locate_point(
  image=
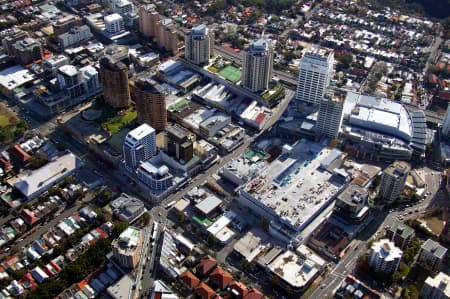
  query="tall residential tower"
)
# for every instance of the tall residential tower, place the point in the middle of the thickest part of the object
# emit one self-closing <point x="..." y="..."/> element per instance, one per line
<point x="330" y="115"/>
<point x="114" y="77"/>
<point x="257" y="66"/>
<point x="199" y="45"/>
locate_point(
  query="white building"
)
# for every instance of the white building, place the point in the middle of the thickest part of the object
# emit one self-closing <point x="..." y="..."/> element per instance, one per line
<point x="384" y="256"/>
<point x="74" y="36"/>
<point x="437" y="287"/>
<point x="257" y="66"/>
<point x="199" y="44"/>
<point x="140" y="145"/>
<point x="316" y="70"/>
<point x="76" y="83"/>
<point x="53" y="63"/>
<point x="114" y="23"/>
<point x="329" y="119"/>
<point x="446" y="124"/>
<point x="155" y="177"/>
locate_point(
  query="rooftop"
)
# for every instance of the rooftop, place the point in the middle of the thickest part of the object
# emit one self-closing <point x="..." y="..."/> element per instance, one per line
<point x="441" y="282"/>
<point x="14" y="77"/>
<point x="293" y="186"/>
<point x="294" y="270"/>
<point x="434" y="248"/>
<point x="140" y="132"/>
<point x="208" y="204"/>
<point x="398" y="168"/>
<point x="401" y="229"/>
<point x="386" y="250"/>
<point x="251" y="244"/>
<point x="44" y="177"/>
<point x="128" y="240"/>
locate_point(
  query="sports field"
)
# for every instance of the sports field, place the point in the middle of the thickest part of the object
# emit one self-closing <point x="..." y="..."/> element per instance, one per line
<point x="231" y="73"/>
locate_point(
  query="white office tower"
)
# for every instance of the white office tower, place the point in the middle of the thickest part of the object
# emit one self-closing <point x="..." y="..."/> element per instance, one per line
<point x="114" y="23"/>
<point x="316" y="70"/>
<point x="257" y="66"/>
<point x="199" y="45"/>
<point x="446" y="124"/>
<point x="140" y="145"/>
<point x="329" y="119"/>
<point x="384" y="256"/>
<point x="437" y="287"/>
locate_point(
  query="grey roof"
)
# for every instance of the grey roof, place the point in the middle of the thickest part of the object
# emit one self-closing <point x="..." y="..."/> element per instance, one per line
<point x="401" y="229"/>
<point x="208" y="204"/>
<point x="435" y="248"/>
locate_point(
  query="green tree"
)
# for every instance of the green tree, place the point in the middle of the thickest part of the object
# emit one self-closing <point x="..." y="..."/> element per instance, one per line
<point x="38" y="160"/>
<point x="410" y="292"/>
<point x="118" y="228"/>
<point x="345" y="60"/>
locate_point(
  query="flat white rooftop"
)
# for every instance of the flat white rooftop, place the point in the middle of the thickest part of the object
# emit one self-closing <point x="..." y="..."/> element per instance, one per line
<point x="15" y="76"/>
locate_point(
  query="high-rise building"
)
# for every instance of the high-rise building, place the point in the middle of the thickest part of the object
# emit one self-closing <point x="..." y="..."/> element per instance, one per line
<point x="393" y="180"/>
<point x="162" y="30"/>
<point x="384" y="256"/>
<point x="437" y="287"/>
<point x="329" y="119"/>
<point x="78" y="83"/>
<point x="446" y="124"/>
<point x="316" y="69"/>
<point x="432" y="254"/>
<point x="150" y="99"/>
<point x="400" y="234"/>
<point x="114" y="23"/>
<point x="139" y="145"/>
<point x="127" y="247"/>
<point x="199" y="45"/>
<point x="179" y="143"/>
<point x="257" y="66"/>
<point x="148" y="17"/>
<point x="114" y="77"/>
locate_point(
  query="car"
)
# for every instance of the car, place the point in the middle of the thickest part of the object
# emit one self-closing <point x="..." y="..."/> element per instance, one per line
<point x="159" y="214"/>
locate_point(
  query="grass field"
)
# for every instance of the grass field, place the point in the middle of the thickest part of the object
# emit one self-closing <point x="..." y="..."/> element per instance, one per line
<point x="435" y="224"/>
<point x="231" y="73"/>
<point x="180" y="104"/>
<point x="7" y="117"/>
<point x="114" y="123"/>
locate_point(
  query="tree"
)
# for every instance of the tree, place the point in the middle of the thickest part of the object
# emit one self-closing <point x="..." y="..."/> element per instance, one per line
<point x="411" y="250"/>
<point x="410" y="292"/>
<point x="118" y="228"/>
<point x="146" y="218"/>
<point x="38" y="160"/>
<point x="345" y="60"/>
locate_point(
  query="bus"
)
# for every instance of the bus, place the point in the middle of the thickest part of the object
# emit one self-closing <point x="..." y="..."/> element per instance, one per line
<point x="170" y="204"/>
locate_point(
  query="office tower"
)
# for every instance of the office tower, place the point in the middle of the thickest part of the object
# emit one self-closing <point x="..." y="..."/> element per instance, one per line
<point x="257" y="66"/>
<point x="70" y="81"/>
<point x="330" y="115"/>
<point x="384" y="256"/>
<point x="179" y="143"/>
<point x="393" y="180"/>
<point x="139" y="145"/>
<point x="437" y="287"/>
<point x="150" y="99"/>
<point x="148" y="17"/>
<point x="74" y="36"/>
<point x="114" y="23"/>
<point x="316" y="69"/>
<point x="446" y="124"/>
<point x="114" y="77"/>
<point x="127" y="247"/>
<point x="199" y="45"/>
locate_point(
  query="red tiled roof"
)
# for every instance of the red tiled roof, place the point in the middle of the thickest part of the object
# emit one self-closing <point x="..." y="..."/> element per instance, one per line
<point x="5" y="165"/>
<point x="204" y="291"/>
<point x="189" y="279"/>
<point x="19" y="154"/>
<point x="29" y="217"/>
<point x="239" y="288"/>
<point x="220" y="278"/>
<point x="205" y="266"/>
<point x="259" y="119"/>
<point x="254" y="294"/>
